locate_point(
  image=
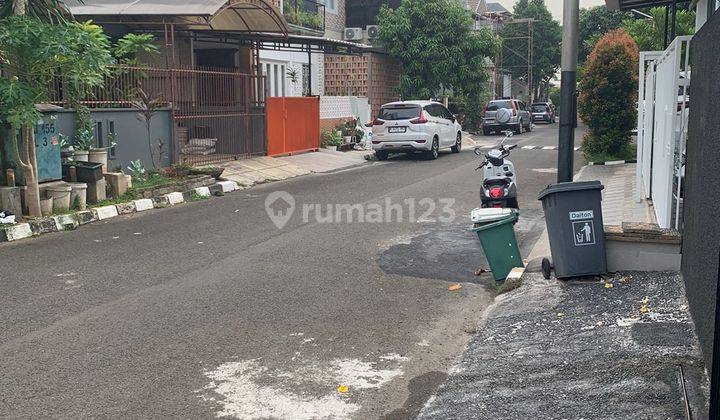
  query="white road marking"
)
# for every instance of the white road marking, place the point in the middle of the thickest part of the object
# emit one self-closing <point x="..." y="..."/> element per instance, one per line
<point x="548" y="148"/>
<point x="528" y="147"/>
<point x="246" y="389"/>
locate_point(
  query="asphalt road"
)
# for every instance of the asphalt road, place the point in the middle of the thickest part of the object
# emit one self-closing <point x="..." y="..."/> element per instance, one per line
<point x="208" y="309"/>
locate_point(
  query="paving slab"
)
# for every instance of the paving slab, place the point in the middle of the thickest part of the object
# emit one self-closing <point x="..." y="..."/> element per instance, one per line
<point x="619" y="204"/>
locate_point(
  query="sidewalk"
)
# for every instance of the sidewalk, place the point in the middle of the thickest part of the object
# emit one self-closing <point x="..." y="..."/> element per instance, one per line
<point x="601" y="349"/>
<point x="248" y="172"/>
<point x="572" y="350"/>
<point x="618" y="203"/>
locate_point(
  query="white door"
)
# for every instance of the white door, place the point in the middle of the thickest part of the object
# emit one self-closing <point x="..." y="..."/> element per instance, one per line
<point x="449" y="126"/>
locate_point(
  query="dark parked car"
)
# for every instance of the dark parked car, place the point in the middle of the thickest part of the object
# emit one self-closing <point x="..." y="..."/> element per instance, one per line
<point x="543" y="111"/>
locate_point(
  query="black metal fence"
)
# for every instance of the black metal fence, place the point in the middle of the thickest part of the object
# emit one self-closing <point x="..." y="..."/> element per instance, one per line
<point x="701" y="235"/>
<point x="218" y="114"/>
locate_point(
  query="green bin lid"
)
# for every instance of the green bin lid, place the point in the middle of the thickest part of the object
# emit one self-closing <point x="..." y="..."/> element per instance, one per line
<point x="570" y="186"/>
<point x="490" y="215"/>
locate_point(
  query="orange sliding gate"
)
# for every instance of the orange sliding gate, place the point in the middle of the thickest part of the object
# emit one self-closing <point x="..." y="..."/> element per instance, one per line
<point x="293" y="124"/>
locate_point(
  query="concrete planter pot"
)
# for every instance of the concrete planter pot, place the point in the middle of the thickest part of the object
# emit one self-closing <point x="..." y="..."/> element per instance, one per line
<point x="99" y="156"/>
<point x="61" y="197"/>
<point x="81" y="155"/>
<point x="78" y="195"/>
<point x="331" y="147"/>
<point x="46" y="206"/>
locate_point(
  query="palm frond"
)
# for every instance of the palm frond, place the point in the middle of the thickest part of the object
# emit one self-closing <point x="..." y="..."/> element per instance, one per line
<point x="46" y="10"/>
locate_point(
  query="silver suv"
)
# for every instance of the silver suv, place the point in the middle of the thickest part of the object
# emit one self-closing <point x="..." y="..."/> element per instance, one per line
<point x="506" y="114"/>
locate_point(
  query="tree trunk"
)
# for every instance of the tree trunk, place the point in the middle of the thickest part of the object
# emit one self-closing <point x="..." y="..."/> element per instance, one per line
<point x="29" y="168"/>
<point x="19" y="7"/>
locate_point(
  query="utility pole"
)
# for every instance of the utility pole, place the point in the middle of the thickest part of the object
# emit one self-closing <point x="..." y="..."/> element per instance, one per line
<point x="568" y="82"/>
<point x="531" y="91"/>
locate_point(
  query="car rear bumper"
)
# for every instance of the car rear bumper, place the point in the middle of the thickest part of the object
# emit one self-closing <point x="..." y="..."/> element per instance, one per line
<point x="496" y="126"/>
<point x="542" y="117"/>
<point x="400" y="146"/>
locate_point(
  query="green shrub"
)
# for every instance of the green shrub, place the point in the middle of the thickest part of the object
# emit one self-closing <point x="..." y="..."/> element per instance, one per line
<point x="608" y="96"/>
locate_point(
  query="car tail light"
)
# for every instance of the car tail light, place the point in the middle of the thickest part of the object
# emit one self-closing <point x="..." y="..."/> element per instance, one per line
<point x="377" y="121"/>
<point x="421" y="119"/>
<point x="496" y="192"/>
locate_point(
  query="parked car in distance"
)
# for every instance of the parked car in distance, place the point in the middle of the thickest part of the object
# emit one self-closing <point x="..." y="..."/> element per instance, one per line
<point x="506" y="114"/>
<point x="415" y="126"/>
<point x="543" y="111"/>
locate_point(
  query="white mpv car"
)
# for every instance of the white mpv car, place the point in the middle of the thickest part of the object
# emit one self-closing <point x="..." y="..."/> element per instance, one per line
<point x="415" y="126"/>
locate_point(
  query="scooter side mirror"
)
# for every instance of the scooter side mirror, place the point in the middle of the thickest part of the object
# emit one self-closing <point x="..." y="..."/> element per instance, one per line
<point x="478" y="151"/>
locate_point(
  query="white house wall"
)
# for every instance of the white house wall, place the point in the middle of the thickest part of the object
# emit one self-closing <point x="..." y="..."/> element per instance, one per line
<point x="288" y="60"/>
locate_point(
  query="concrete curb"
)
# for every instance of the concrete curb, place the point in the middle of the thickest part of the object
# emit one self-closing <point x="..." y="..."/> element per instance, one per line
<point x="72" y="221"/>
<point x="613" y="162"/>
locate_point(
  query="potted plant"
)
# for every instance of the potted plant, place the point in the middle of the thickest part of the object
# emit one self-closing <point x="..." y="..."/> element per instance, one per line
<point x="348" y="130"/>
<point x="100" y="154"/>
<point x="66" y="148"/>
<point x="331" y="139"/>
<point x="82" y="144"/>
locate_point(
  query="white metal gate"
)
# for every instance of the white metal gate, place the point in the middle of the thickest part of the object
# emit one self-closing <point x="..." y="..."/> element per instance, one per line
<point x="661" y="136"/>
<point x="646" y="115"/>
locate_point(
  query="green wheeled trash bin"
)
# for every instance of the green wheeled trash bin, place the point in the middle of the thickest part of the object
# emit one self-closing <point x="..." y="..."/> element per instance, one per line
<point x="494" y="227"/>
<point x="573" y="216"/>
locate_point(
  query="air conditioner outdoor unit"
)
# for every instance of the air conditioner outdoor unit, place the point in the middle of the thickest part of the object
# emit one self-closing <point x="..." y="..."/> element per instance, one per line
<point x="372" y="31"/>
<point x="353" y="34"/>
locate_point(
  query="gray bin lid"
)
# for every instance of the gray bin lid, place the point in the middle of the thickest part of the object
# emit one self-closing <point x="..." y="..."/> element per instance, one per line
<point x="490" y="214"/>
<point x="561" y="187"/>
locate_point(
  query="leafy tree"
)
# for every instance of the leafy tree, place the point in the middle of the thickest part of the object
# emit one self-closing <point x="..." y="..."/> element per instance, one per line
<point x="649" y="33"/>
<point x="594" y="23"/>
<point x="439" y="51"/>
<point x="547" y="36"/>
<point x="47" y="10"/>
<point x="608" y="96"/>
<point x="34" y="53"/>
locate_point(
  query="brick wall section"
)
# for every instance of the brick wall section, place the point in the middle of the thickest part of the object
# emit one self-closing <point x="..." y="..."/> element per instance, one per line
<point x="346" y="75"/>
<point x="330" y="123"/>
<point x="371" y="75"/>
<point x="335" y="22"/>
<point x="384" y="78"/>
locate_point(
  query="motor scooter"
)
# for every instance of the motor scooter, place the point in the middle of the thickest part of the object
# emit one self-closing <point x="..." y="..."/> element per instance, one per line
<point x="499" y="185"/>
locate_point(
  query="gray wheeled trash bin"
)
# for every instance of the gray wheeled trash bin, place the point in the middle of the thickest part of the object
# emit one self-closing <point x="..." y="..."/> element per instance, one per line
<point x="573" y="215"/>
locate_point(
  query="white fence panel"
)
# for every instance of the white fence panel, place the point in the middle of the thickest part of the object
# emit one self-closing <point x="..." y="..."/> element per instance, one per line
<point x="666" y="123"/>
<point x="646" y="114"/>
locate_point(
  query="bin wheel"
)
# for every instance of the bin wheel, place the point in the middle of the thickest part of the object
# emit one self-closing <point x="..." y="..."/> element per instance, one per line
<point x="546" y="267"/>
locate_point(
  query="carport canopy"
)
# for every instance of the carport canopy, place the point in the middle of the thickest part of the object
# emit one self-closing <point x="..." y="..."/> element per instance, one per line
<point x="636" y="4"/>
<point x="242" y="16"/>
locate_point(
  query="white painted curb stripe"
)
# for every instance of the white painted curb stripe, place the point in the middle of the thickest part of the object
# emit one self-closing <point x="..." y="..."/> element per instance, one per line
<point x="106" y="212"/>
<point x="228" y="186"/>
<point x="20" y="231"/>
<point x="143" y="204"/>
<point x="175" y="198"/>
<point x="203" y="191"/>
